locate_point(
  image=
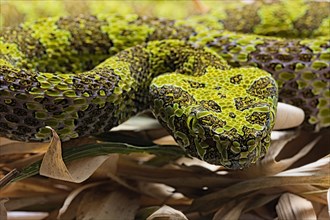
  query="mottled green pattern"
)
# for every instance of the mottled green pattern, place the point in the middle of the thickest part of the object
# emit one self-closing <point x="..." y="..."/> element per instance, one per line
<point x="53" y="74"/>
<point x="282" y="18"/>
<point x="222" y="117"/>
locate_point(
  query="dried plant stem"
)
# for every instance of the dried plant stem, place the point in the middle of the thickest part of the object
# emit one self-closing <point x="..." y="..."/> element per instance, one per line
<point x="90" y="150"/>
<point x="11" y="175"/>
<point x="213" y="200"/>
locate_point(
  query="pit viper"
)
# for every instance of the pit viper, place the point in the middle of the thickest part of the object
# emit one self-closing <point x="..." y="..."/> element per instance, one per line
<point x="212" y="80"/>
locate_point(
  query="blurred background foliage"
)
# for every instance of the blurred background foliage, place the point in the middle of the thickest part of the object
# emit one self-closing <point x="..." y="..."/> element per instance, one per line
<point x="14" y="12"/>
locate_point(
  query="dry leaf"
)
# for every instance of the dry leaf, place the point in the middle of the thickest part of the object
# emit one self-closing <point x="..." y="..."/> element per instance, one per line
<point x="82" y="169"/>
<point x="197" y="162"/>
<point x="319" y="167"/>
<point x="260" y="201"/>
<point x="230" y="211"/>
<point x="52" y="164"/>
<point x="4" y="141"/>
<point x="310" y="192"/>
<point x="268" y="165"/>
<point x="18" y="215"/>
<point x="104" y="204"/>
<point x="251" y="216"/>
<point x="71" y="203"/>
<point x="109" y="169"/>
<point x="156" y="190"/>
<point x="138" y="123"/>
<point x="24" y="162"/>
<point x="220" y="197"/>
<point x="76" y="171"/>
<point x="288" y="116"/>
<point x="3" y="210"/>
<point x="23" y="148"/>
<point x="323" y="213"/>
<point x="36" y="201"/>
<point x="291" y="206"/>
<point x="167" y="213"/>
<point x="328" y="197"/>
<point x="165" y="140"/>
<point x="29" y="188"/>
<point x="286" y="163"/>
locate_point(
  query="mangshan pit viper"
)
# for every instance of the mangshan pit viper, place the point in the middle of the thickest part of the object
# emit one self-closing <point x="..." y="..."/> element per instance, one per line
<point x="214" y="90"/>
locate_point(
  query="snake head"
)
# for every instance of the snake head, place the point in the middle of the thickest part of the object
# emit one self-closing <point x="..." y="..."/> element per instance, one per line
<point x="223" y="117"/>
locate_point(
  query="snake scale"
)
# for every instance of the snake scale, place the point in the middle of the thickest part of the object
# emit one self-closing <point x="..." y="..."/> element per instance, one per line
<point x="209" y="81"/>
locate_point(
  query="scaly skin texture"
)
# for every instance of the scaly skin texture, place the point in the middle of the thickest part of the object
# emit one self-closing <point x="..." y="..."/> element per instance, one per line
<point x="282" y="18"/>
<point x="285" y="18"/>
<point x="221" y="115"/>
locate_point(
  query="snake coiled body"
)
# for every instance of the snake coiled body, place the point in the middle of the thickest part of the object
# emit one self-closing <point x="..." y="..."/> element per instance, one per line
<point x="51" y="76"/>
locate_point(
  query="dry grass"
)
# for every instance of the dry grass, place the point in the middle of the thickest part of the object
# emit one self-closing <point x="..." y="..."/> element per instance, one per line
<point x="290" y="182"/>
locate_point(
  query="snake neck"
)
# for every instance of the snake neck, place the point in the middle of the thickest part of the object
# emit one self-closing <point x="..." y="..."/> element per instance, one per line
<point x="147" y="61"/>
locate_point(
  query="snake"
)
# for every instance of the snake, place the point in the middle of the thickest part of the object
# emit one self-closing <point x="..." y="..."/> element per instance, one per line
<point x="212" y="80"/>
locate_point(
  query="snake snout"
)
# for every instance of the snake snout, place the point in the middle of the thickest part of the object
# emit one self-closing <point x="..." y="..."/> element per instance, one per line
<point x="227" y="146"/>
